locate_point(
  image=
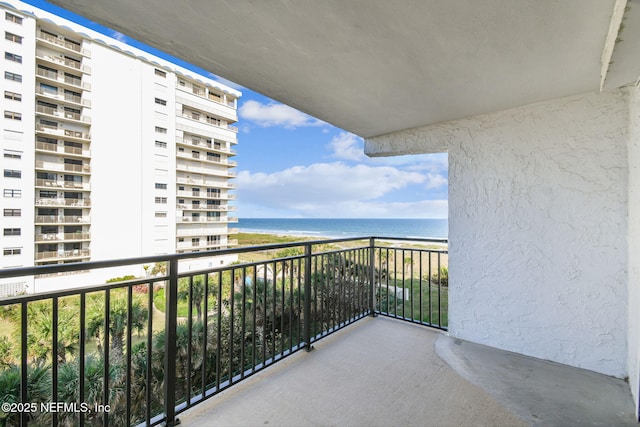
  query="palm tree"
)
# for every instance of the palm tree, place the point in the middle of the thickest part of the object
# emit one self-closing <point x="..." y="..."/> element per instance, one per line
<point x="118" y="316"/>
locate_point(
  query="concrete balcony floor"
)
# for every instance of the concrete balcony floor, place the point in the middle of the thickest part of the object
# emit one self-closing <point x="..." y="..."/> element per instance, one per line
<point x="384" y="372"/>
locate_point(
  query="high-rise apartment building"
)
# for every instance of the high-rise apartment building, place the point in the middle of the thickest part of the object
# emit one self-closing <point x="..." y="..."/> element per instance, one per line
<point x="108" y="152"/>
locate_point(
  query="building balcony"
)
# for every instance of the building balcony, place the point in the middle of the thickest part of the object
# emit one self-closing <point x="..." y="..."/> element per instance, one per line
<point x="63" y="202"/>
<point x="204" y="169"/>
<point x="203" y="157"/>
<point x="63" y="167"/>
<point x="335" y="298"/>
<point x="201" y="143"/>
<point x="205" y="131"/>
<point x="62" y="62"/>
<point x="201" y="245"/>
<point x="201" y="103"/>
<point x="61" y="114"/>
<point x="203" y="218"/>
<point x="63" y="80"/>
<point x="205" y="94"/>
<point x="201" y="118"/>
<point x="62" y="43"/>
<point x="66" y="133"/>
<point x="62" y="219"/>
<point x="204" y="194"/>
<point x="62" y="149"/>
<point x="62" y="237"/>
<point x="204" y="207"/>
<point x="64" y="97"/>
<point x="48" y="183"/>
<point x="62" y="254"/>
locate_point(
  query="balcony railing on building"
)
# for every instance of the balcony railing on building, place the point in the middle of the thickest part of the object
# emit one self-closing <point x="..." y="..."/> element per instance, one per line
<point x="61" y="96"/>
<point x="63" y="132"/>
<point x="62" y="42"/>
<point x="62" y="219"/>
<point x="62" y="114"/>
<point x="106" y="345"/>
<point x="67" y="62"/>
<point x="76" y="185"/>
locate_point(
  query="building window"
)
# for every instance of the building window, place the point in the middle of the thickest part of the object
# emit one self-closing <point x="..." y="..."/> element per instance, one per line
<point x="13" y="37"/>
<point x="161" y="214"/>
<point x="161" y="200"/>
<point x="12" y="76"/>
<point x="160" y="73"/>
<point x="12" y="251"/>
<point x="12" y="96"/>
<point x="48" y="89"/>
<point x="161" y="130"/>
<point x="160" y="101"/>
<point x="12" y="154"/>
<point x="160" y="186"/>
<point x="13" y="57"/>
<point x="182" y="82"/>
<point x="12" y="193"/>
<point x="12" y="173"/>
<point x="12" y="212"/>
<point x="11" y="232"/>
<point x="161" y="144"/>
<point x="12" y="115"/>
<point x="13" y="18"/>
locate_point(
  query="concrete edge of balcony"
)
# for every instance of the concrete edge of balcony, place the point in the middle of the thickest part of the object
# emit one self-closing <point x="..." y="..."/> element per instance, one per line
<point x="382" y="371"/>
<point x="540" y="392"/>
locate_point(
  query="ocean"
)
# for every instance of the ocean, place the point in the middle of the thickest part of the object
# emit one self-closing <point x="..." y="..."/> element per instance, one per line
<point x="346" y="227"/>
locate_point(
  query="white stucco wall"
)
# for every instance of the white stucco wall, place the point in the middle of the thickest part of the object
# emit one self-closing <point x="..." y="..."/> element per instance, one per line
<point x="634" y="248"/>
<point x="538" y="213"/>
<point x="537" y="227"/>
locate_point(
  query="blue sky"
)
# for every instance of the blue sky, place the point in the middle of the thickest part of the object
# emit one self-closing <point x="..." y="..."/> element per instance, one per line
<point x="293" y="165"/>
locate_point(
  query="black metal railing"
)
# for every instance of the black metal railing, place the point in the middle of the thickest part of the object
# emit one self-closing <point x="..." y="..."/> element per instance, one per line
<point x="138" y="351"/>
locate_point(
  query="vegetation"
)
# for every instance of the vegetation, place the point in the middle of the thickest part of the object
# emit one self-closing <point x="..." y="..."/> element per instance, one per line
<point x="228" y="322"/>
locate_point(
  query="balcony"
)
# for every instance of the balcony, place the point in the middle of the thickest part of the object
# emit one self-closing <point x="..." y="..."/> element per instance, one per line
<point x="63" y="167"/>
<point x="372" y="358"/>
<point x="62" y="114"/>
<point x="59" y="131"/>
<point x="47" y="183"/>
<point x="61" y="42"/>
<point x="56" y="255"/>
<point x="215" y="147"/>
<point x="203" y="207"/>
<point x="61" y="201"/>
<point x="201" y="118"/>
<point x="67" y="97"/>
<point x="62" y="219"/>
<point x="72" y="65"/>
<point x="203" y="194"/>
<point x="62" y="79"/>
<point x="62" y="149"/>
<point x="62" y="237"/>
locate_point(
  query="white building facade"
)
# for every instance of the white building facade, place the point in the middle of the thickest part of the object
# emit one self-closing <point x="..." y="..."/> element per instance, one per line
<point x="107" y="151"/>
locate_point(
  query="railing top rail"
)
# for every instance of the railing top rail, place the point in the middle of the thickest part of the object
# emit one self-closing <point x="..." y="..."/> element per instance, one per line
<point x="61" y="268"/>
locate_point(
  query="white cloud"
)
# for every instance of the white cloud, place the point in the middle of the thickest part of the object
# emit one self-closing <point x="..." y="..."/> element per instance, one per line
<point x="274" y="114"/>
<point x="335" y="190"/>
<point x="435" y="181"/>
<point x="120" y="37"/>
<point x="347" y="146"/>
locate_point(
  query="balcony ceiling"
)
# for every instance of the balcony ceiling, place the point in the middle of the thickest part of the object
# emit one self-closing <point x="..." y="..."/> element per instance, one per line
<point x="375" y="67"/>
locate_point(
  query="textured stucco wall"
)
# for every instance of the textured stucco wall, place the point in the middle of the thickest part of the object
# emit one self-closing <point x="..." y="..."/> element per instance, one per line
<point x="634" y="247"/>
<point x="537" y="227"/>
<point x="538" y="214"/>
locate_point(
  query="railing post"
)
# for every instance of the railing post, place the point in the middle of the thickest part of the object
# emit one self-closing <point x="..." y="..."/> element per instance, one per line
<point x="372" y="275"/>
<point x="171" y="321"/>
<point x="307" y="297"/>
